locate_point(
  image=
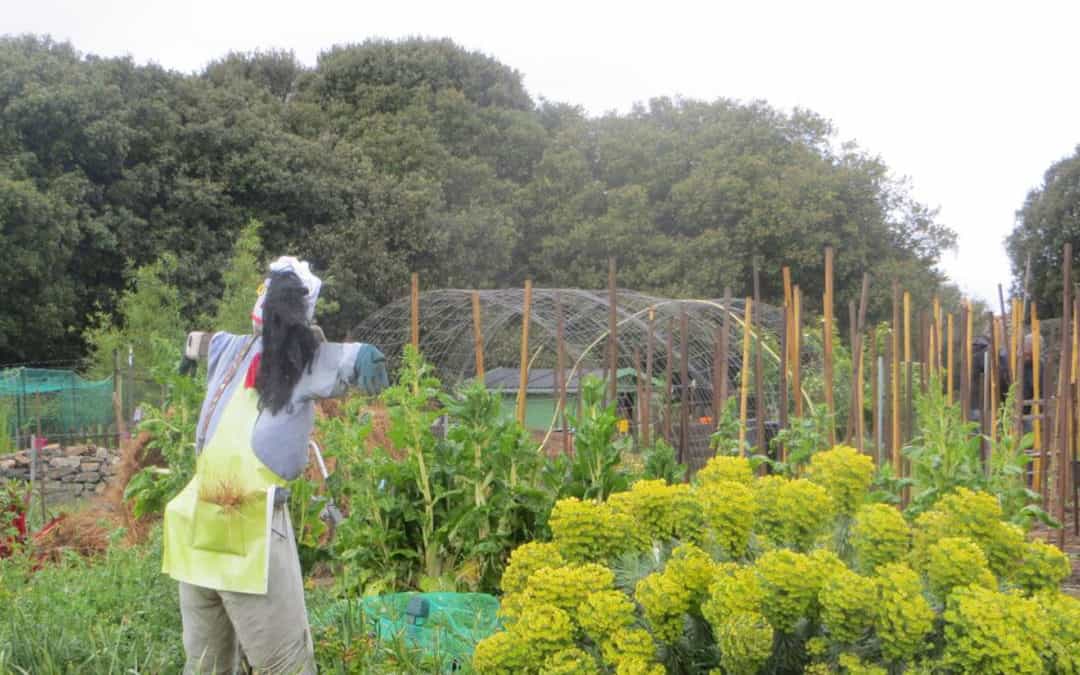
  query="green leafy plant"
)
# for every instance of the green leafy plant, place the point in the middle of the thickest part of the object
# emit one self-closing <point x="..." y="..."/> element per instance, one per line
<point x="804" y="437"/>
<point x="595" y="469"/>
<point x="661" y="463"/>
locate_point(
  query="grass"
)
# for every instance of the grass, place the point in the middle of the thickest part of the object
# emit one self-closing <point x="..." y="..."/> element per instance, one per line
<point x="117" y="613"/>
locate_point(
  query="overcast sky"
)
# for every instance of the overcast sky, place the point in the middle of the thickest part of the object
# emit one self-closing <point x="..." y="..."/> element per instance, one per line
<point x="972" y="102"/>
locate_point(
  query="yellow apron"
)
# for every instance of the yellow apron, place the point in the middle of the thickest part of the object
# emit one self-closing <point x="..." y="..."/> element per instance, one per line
<point x="217" y="530"/>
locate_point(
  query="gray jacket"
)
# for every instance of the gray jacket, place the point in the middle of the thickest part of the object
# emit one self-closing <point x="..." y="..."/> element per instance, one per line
<point x="280" y="441"/>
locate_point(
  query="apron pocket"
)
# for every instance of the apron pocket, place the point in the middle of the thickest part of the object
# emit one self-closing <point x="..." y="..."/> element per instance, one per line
<point x="217" y="529"/>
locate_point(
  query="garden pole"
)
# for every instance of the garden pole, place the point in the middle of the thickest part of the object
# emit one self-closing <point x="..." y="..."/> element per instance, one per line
<point x="987" y="410"/>
<point x="860" y="330"/>
<point x="725" y="349"/>
<point x="907" y="368"/>
<point x="895" y="380"/>
<point x="1075" y="417"/>
<point x="879" y="419"/>
<point x="874" y="392"/>
<point x="827" y="342"/>
<point x="414" y="311"/>
<point x="1064" y="390"/>
<point x="784" y="353"/>
<point x="637" y="407"/>
<point x="949" y="369"/>
<point x="796" y="351"/>
<point x="759" y="407"/>
<point x="938" y="335"/>
<point x="853" y="394"/>
<point x="613" y="339"/>
<point x="716" y="373"/>
<point x="965" y="363"/>
<point x="1036" y="407"/>
<point x="560" y="357"/>
<point x="668" y="391"/>
<point x="924" y="348"/>
<point x="1018" y="347"/>
<point x="745" y="375"/>
<point x="1005" y="335"/>
<point x="523" y="381"/>
<point x="478" y="335"/>
<point x="968" y="346"/>
<point x="789" y="304"/>
<point x="648" y="375"/>
<point x="684" y="383"/>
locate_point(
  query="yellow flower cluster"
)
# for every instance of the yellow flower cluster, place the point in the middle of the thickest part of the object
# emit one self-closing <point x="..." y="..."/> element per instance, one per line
<point x="572" y="661"/>
<point x="976" y="515"/>
<point x="745" y="640"/>
<point x="904" y="617"/>
<point x="662" y="512"/>
<point x="1062" y="615"/>
<point x="853" y="665"/>
<point x="845" y="474"/>
<point x="1043" y="567"/>
<point x="589" y="531"/>
<point x="847" y="606"/>
<point x="695" y="569"/>
<point x="604" y="613"/>
<point x="880" y="535"/>
<point x="564" y="587"/>
<point x="541" y="632"/>
<point x="993" y="633"/>
<point x="789" y="586"/>
<point x="664" y="600"/>
<point x="632" y="650"/>
<point x="728" y="508"/>
<point x="525" y="560"/>
<point x="726" y="468"/>
<point x="792" y="513"/>
<point x="954" y="562"/>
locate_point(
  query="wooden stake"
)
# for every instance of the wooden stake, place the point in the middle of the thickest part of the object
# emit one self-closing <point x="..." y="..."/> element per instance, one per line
<point x="827" y="341"/>
<point x="789" y="302"/>
<point x="784" y="355"/>
<point x="1036" y="393"/>
<point x="938" y="334"/>
<point x="744" y="389"/>
<point x="725" y="342"/>
<point x="649" y="346"/>
<point x="796" y="364"/>
<point x="1065" y="393"/>
<point x="895" y="383"/>
<point x="560" y="365"/>
<point x="414" y="313"/>
<point x="759" y="399"/>
<point x="684" y="383"/>
<point x="853" y="395"/>
<point x="478" y="335"/>
<point x="860" y="330"/>
<point x="613" y="338"/>
<point x="1005" y="334"/>
<point x="668" y="391"/>
<point x="874" y="393"/>
<point x="949" y="369"/>
<point x="907" y="367"/>
<point x="639" y="392"/>
<point x="717" y="373"/>
<point x="523" y="381"/>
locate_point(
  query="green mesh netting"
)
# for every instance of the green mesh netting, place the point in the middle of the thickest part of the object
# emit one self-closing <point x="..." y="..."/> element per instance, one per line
<point x="455" y="622"/>
<point x="64" y="402"/>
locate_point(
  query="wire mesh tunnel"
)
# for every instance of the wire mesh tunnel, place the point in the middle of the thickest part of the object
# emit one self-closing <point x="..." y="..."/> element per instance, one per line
<point x="447" y="340"/>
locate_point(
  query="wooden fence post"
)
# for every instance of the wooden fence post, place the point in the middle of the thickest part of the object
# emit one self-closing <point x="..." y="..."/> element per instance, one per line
<point x="523" y="380"/>
<point x="745" y="374"/>
<point x="478" y="336"/>
<point x="414" y="311"/>
<point x="828" y="346"/>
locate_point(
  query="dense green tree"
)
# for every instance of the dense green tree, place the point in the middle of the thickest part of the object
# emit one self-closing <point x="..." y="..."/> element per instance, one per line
<point x="395" y="156"/>
<point x="1048" y="220"/>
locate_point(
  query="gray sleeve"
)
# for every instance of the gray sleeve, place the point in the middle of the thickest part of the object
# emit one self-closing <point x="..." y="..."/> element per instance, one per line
<point x="331" y="374"/>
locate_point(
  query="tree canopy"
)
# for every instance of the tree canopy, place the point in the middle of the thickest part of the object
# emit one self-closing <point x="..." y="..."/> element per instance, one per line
<point x="1048" y="220"/>
<point x="388" y="157"/>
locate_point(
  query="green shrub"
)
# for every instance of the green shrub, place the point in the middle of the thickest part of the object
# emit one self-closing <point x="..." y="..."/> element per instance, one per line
<point x="789" y="587"/>
<point x="904" y="617"/>
<point x="845" y="474"/>
<point x="954" y="562"/>
<point x="728" y="510"/>
<point x="993" y="633"/>
<point x="1042" y="568"/>
<point x="848" y="602"/>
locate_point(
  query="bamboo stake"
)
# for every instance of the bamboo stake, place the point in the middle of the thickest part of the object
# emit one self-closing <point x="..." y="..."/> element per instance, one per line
<point x="907" y="366"/>
<point x="784" y="354"/>
<point x="613" y="339"/>
<point x="716" y="372"/>
<point x="1018" y="368"/>
<point x="523" y="381"/>
<point x="725" y="342"/>
<point x="759" y="407"/>
<point x="796" y="366"/>
<point x="1065" y="391"/>
<point x="874" y="393"/>
<point x="639" y="393"/>
<point x="414" y="314"/>
<point x="853" y="338"/>
<point x="560" y="357"/>
<point x="924" y="349"/>
<point x="478" y="335"/>
<point x="649" y="345"/>
<point x="949" y="370"/>
<point x="668" y="374"/>
<point x="895" y="383"/>
<point x="860" y="329"/>
<point x="1036" y="393"/>
<point x="789" y="302"/>
<point x="684" y="382"/>
<point x="745" y="374"/>
<point x="1005" y="335"/>
<point x="938" y="334"/>
<point x="827" y="340"/>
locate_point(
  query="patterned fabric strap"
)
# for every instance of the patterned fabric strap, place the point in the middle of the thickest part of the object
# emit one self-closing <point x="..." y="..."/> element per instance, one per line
<point x="225" y="385"/>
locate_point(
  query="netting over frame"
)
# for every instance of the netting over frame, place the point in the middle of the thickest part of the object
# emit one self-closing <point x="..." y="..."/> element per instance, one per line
<point x="447" y="337"/>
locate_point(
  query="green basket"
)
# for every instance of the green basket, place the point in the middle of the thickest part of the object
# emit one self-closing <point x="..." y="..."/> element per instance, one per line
<point x="444" y="626"/>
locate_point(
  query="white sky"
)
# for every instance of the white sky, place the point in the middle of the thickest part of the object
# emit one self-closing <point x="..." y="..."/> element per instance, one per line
<point x="971" y="100"/>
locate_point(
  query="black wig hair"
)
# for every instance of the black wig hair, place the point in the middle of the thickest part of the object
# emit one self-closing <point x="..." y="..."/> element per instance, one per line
<point x="288" y="345"/>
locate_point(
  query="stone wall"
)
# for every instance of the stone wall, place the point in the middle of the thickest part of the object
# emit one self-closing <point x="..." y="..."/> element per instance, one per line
<point x="69" y="473"/>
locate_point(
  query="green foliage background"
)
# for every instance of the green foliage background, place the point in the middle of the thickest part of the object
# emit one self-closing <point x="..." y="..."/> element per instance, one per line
<point x="388" y="157"/>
